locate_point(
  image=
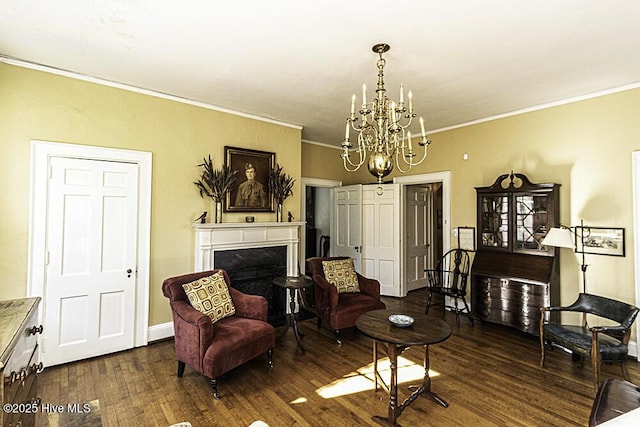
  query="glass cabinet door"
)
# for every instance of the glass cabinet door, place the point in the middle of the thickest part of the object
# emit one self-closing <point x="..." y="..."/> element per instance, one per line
<point x="495" y="221"/>
<point x="532" y="222"/>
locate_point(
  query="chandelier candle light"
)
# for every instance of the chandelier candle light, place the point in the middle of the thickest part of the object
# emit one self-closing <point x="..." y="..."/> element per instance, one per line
<point x="383" y="134"/>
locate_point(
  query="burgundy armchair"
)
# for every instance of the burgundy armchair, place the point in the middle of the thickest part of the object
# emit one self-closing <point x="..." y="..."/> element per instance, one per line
<point x="341" y="310"/>
<point x="215" y="348"/>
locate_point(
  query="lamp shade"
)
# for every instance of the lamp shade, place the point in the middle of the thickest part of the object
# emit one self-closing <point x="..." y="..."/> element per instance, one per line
<point x="559" y="238"/>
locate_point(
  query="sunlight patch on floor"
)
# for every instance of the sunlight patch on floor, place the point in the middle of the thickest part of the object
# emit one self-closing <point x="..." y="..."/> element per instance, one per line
<point x="299" y="400"/>
<point x="363" y="378"/>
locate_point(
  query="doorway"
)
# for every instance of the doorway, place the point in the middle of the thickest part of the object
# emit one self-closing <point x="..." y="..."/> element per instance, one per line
<point x="78" y="193"/>
<point x="423" y="231"/>
<point x="430" y="225"/>
<point x="317" y="210"/>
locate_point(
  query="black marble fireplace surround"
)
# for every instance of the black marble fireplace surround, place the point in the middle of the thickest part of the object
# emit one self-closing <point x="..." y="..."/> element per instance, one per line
<point x="252" y="271"/>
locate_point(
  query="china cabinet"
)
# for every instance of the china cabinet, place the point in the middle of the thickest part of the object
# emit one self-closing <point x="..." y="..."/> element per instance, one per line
<point x="513" y="273"/>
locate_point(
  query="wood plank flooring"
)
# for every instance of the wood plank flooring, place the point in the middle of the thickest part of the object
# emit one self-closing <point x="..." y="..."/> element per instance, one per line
<point x="489" y="375"/>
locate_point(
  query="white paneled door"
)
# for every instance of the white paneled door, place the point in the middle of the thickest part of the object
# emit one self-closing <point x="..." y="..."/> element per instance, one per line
<point x="347" y="234"/>
<point x="381" y="238"/>
<point x="419" y="227"/>
<point x="89" y="292"/>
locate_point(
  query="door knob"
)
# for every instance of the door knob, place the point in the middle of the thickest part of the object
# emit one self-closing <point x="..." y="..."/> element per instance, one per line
<point x="129" y="271"/>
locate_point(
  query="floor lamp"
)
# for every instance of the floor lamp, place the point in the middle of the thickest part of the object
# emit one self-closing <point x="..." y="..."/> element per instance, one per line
<point x="566" y="237"/>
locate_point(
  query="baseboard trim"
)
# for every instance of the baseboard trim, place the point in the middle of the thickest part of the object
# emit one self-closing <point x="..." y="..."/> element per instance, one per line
<point x="633" y="349"/>
<point x="160" y="332"/>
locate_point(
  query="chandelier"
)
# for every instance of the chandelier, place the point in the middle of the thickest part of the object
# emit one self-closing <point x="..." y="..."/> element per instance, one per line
<point x="383" y="138"/>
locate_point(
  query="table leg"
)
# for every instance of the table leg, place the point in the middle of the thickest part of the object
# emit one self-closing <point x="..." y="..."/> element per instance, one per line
<point x="394" y="411"/>
<point x="377" y="378"/>
<point x="300" y="306"/>
<point x="294" y="318"/>
<point x="425" y="388"/>
<point x="375" y="364"/>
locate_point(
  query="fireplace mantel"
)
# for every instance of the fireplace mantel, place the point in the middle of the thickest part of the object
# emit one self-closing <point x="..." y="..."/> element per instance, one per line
<point x="240" y="235"/>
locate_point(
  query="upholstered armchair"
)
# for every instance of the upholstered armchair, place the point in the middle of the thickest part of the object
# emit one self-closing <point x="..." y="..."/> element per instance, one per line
<point x="606" y="343"/>
<point x="213" y="348"/>
<point x="341" y="309"/>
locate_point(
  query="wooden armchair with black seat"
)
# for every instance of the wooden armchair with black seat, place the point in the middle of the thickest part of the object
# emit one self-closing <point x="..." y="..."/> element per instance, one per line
<point x="449" y="279"/>
<point x="217" y="328"/>
<point x="341" y="294"/>
<point x="606" y="343"/>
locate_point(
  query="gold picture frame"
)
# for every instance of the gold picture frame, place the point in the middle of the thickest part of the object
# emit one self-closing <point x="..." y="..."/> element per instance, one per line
<point x="251" y="191"/>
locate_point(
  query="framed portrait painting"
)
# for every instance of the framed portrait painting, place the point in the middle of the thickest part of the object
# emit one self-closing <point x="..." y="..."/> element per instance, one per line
<point x="251" y="191"/>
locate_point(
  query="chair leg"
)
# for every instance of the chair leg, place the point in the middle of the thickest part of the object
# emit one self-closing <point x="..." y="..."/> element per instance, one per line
<point x="338" y="337"/>
<point x="596" y="374"/>
<point x="466" y="307"/>
<point x="455" y="302"/>
<point x="214" y="388"/>
<point x="625" y="370"/>
<point x="429" y="296"/>
<point x="270" y="357"/>
<point x="595" y="363"/>
<point x="542" y="350"/>
<point x="180" y="368"/>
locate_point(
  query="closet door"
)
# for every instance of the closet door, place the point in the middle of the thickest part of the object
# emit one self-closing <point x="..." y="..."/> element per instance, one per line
<point x="381" y="238"/>
<point x="348" y="223"/>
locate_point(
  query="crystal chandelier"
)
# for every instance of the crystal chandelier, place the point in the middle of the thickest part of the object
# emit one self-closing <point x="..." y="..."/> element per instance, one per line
<point x="382" y="134"/>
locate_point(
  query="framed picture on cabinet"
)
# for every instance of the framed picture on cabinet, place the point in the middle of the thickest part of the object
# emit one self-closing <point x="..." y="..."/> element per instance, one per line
<point x="251" y="192"/>
<point x="600" y="240"/>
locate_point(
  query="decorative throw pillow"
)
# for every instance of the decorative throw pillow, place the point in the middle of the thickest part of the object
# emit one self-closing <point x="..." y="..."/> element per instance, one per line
<point x="210" y="295"/>
<point x="341" y="274"/>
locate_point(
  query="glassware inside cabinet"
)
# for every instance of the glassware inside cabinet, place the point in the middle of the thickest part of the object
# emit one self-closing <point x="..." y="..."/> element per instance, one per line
<point x="495" y="221"/>
<point x="532" y="221"/>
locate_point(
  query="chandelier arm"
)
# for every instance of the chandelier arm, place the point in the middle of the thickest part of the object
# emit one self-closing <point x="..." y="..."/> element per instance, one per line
<point x="346" y="159"/>
<point x="400" y="167"/>
<point x="346" y="156"/>
<point x="424" y="156"/>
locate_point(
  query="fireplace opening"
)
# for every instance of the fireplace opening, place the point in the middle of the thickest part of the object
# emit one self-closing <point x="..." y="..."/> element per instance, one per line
<point x="252" y="271"/>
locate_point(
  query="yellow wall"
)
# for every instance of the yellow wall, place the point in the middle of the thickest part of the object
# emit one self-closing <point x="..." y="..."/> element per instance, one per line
<point x="35" y="105"/>
<point x="321" y="162"/>
<point x="586" y="146"/>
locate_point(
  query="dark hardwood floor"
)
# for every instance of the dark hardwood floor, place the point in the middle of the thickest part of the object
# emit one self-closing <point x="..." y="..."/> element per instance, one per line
<point x="489" y="375"/>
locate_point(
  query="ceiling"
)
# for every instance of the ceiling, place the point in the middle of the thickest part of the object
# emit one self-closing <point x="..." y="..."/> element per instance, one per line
<point x="299" y="61"/>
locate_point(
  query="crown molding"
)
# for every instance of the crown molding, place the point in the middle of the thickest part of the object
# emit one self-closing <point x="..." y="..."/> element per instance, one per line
<point x="130" y="88"/>
<point x="539" y="107"/>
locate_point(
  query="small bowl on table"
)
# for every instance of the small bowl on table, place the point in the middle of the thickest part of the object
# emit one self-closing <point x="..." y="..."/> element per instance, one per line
<point x="401" y="320"/>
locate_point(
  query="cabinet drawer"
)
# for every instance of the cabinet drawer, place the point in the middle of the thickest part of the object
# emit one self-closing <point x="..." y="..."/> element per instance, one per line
<point x="20" y="358"/>
<point x="511" y="292"/>
<point x="18" y="382"/>
<point x="528" y="323"/>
